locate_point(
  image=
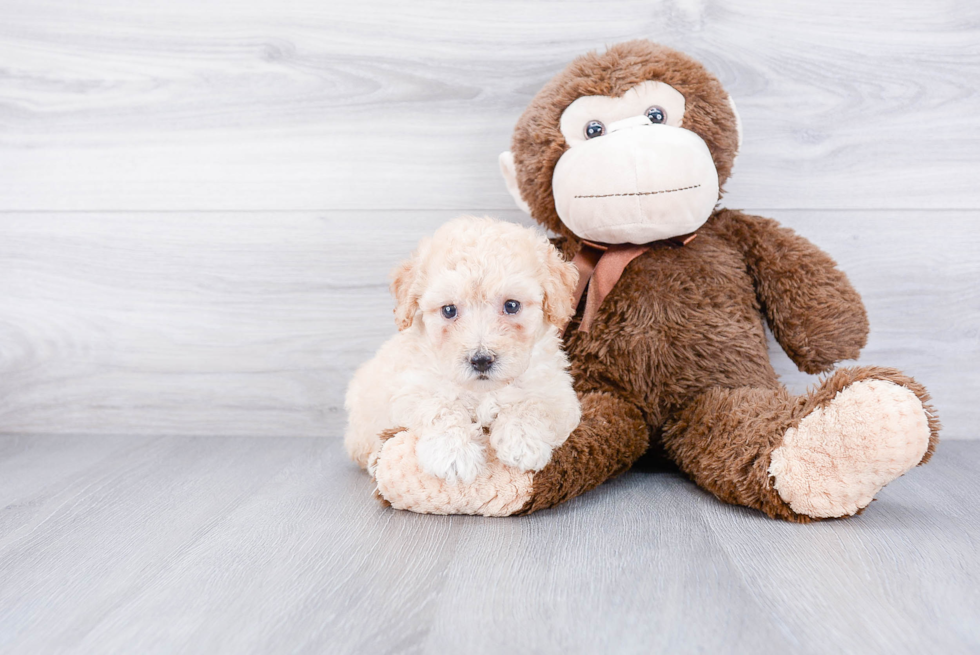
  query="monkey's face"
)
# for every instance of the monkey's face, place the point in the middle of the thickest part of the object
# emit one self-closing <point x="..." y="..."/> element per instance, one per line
<point x="632" y="173"/>
<point x="629" y="146"/>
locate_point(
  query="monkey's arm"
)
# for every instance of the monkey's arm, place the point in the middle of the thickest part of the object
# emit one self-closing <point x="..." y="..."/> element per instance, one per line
<point x="611" y="436"/>
<point x="812" y="309"/>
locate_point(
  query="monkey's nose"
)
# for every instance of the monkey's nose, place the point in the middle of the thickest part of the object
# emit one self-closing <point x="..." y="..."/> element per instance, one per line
<point x="482" y="362"/>
<point x="626" y="123"/>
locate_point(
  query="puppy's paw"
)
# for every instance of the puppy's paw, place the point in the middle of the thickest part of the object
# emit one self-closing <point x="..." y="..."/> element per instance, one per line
<point x="453" y="456"/>
<point x="519" y="446"/>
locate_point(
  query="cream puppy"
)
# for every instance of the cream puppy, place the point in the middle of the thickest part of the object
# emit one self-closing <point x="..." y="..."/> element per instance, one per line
<point x="478" y="354"/>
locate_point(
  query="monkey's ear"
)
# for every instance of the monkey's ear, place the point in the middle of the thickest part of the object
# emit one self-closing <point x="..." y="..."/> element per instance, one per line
<point x="738" y="121"/>
<point x="509" y="171"/>
<point x="406" y="297"/>
<point x="559" y="288"/>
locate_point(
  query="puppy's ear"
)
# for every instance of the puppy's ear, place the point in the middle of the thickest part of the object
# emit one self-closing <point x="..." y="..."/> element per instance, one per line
<point x="559" y="288"/>
<point x="403" y="289"/>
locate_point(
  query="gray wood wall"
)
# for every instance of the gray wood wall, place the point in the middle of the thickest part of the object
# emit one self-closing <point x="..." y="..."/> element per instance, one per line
<point x="199" y="202"/>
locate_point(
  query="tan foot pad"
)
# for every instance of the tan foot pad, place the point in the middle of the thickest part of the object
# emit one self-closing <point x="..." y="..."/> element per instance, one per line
<point x="497" y="491"/>
<point x="840" y="455"/>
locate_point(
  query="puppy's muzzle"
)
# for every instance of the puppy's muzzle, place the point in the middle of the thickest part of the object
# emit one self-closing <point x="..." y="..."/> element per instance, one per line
<point x="482" y="361"/>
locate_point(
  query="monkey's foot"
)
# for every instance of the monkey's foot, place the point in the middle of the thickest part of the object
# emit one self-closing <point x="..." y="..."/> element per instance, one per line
<point x="841" y="454"/>
<point x="497" y="491"/>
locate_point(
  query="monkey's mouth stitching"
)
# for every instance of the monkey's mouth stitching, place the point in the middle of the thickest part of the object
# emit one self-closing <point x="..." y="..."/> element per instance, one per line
<point x="642" y="193"/>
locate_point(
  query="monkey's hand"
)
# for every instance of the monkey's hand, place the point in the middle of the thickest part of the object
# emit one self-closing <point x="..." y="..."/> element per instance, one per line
<point x="610" y="437"/>
<point x="812" y="309"/>
<point x="497" y="490"/>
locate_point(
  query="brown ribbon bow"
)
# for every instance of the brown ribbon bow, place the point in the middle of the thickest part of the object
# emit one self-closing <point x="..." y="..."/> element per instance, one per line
<point x="601" y="265"/>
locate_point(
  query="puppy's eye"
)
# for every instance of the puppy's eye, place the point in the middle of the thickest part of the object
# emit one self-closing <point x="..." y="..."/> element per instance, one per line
<point x="512" y="307"/>
<point x="594" y="129"/>
<point x="656" y="115"/>
<point x="449" y="311"/>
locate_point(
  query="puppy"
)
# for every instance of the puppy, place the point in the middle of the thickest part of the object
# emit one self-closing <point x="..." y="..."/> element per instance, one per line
<point x="478" y="354"/>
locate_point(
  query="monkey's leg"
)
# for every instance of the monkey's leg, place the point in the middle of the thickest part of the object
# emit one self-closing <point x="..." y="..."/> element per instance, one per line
<point x="817" y="456"/>
<point x="610" y="437"/>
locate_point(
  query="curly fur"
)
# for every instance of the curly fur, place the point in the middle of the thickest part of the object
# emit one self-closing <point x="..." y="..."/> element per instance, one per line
<point x="676" y="361"/>
<point x="424" y="378"/>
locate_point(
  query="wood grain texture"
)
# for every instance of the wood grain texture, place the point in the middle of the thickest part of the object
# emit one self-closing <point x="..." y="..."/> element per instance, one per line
<point x="312" y="105"/>
<point x="335" y="135"/>
<point x="252" y="323"/>
<point x="199" y="204"/>
<point x="258" y="545"/>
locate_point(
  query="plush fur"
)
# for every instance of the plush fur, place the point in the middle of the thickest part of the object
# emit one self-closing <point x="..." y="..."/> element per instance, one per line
<point x="676" y="360"/>
<point x="874" y="426"/>
<point x="427" y="378"/>
<point x="498" y="490"/>
<point x="538" y="141"/>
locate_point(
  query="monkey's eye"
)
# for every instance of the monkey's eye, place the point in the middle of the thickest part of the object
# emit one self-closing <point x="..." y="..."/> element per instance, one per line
<point x="594" y="129"/>
<point x="512" y="307"/>
<point x="656" y="115"/>
<point x="449" y="311"/>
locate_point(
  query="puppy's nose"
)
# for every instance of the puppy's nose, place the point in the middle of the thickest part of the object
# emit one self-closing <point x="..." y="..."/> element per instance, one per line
<point x="482" y="361"/>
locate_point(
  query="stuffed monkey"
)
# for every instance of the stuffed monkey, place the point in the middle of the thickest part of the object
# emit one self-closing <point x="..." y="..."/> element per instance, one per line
<point x="624" y="155"/>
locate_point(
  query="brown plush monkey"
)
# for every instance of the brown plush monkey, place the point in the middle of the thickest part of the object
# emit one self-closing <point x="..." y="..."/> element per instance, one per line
<point x="624" y="154"/>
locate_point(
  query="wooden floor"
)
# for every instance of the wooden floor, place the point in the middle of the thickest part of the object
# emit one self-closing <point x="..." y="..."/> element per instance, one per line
<point x="270" y="545"/>
<point x="199" y="205"/>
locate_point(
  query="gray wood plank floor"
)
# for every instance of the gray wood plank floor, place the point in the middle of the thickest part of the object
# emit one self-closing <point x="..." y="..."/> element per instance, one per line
<point x="262" y="545"/>
<point x="199" y="203"/>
